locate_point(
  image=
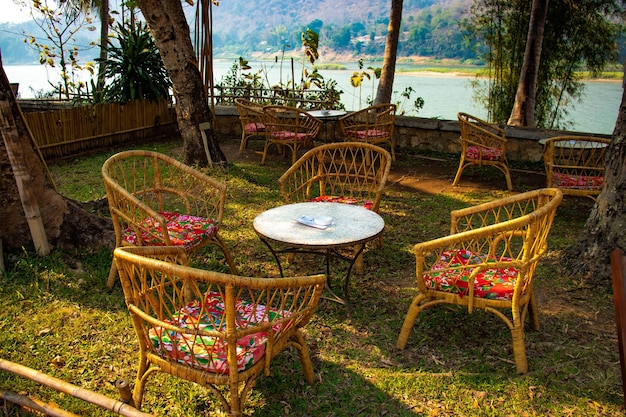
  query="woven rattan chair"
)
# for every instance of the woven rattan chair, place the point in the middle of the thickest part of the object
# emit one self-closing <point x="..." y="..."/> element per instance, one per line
<point x="290" y="127"/>
<point x="373" y="125"/>
<point x="575" y="164"/>
<point x="346" y="172"/>
<point x="156" y="200"/>
<point x="482" y="144"/>
<point x="250" y="115"/>
<point x="488" y="262"/>
<point x="210" y="328"/>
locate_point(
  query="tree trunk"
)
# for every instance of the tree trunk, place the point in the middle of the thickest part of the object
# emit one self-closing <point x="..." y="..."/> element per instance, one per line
<point x="170" y="30"/>
<point x="523" y="112"/>
<point x="66" y="223"/>
<point x="104" y="42"/>
<point x="605" y="229"/>
<point x="385" y="86"/>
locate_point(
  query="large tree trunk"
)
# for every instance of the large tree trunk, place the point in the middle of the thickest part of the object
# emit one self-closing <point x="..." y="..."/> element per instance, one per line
<point x="605" y="229"/>
<point x="66" y="223"/>
<point x="170" y="30"/>
<point x="385" y="86"/>
<point x="523" y="112"/>
<point x="104" y="42"/>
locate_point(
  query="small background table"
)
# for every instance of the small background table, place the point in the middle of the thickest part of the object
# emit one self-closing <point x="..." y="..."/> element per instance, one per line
<point x="328" y="117"/>
<point x="573" y="144"/>
<point x="351" y="226"/>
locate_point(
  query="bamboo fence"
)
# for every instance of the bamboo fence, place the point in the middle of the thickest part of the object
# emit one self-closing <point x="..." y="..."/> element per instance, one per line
<point x="71" y="130"/>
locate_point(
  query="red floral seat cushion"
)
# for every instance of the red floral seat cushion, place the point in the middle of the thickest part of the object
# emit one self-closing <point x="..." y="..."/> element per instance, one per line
<point x="254" y="127"/>
<point x="341" y="199"/>
<point x="184" y="230"/>
<point x="210" y="353"/>
<point x="488" y="154"/>
<point x="367" y="134"/>
<point x="496" y="283"/>
<point x="581" y="182"/>
<point x="287" y="135"/>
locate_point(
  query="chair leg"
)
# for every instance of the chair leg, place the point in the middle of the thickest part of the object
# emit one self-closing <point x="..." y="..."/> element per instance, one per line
<point x="519" y="350"/>
<point x="409" y="320"/>
<point x="267" y="145"/>
<point x="229" y="258"/>
<point x="112" y="275"/>
<point x="244" y="143"/>
<point x="459" y="172"/>
<point x="509" y="183"/>
<point x="305" y="358"/>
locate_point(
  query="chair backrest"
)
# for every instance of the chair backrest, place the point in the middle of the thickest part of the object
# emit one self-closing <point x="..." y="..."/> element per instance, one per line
<point x="347" y="169"/>
<point x="380" y="117"/>
<point x="290" y="119"/>
<point x="618" y="275"/>
<point x="227" y="309"/>
<point x="575" y="164"/>
<point x="478" y="132"/>
<point x="249" y="111"/>
<point x="142" y="184"/>
<point x="515" y="227"/>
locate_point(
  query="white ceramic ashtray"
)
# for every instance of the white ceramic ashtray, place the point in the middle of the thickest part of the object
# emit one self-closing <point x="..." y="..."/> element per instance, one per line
<point x="325" y="112"/>
<point x="323" y="220"/>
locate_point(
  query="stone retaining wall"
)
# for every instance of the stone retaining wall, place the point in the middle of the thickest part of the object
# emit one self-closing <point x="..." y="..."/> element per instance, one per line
<point x="428" y="134"/>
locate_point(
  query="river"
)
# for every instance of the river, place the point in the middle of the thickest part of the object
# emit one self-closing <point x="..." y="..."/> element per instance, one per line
<point x="444" y="94"/>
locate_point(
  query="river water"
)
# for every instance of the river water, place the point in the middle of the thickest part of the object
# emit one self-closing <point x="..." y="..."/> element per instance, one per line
<point x="444" y="94"/>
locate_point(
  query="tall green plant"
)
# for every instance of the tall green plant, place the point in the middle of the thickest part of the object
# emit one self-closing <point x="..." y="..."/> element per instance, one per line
<point x="134" y="69"/>
<point x="578" y="36"/>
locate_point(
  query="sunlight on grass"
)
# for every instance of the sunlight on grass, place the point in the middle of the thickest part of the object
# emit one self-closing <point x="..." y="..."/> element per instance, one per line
<point x="58" y="317"/>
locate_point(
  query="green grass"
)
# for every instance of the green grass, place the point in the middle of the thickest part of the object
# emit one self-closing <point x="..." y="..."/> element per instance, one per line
<point x="57" y="317"/>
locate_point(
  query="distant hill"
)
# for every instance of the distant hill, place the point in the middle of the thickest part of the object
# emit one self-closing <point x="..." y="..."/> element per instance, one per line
<point x="347" y="27"/>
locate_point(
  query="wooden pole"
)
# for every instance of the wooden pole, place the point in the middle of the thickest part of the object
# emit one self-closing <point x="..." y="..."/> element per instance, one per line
<point x="59" y="385"/>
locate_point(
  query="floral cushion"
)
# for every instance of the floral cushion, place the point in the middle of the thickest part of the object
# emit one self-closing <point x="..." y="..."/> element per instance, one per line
<point x="210" y="353"/>
<point x="254" y="127"/>
<point x="184" y="230"/>
<point x="496" y="284"/>
<point x="341" y="199"/>
<point x="287" y="135"/>
<point x="488" y="154"/>
<point x="582" y="182"/>
<point x="367" y="134"/>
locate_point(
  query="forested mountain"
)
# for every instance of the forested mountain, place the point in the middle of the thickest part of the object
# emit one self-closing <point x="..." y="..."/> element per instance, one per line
<point x="347" y="27"/>
<point x="430" y="27"/>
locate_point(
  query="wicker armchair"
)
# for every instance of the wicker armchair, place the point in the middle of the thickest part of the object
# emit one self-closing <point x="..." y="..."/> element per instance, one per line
<point x="156" y="200"/>
<point x="488" y="262"/>
<point x="373" y="125"/>
<point x="210" y="328"/>
<point x="575" y="164"/>
<point x="483" y="144"/>
<point x="290" y="127"/>
<point x="250" y="115"/>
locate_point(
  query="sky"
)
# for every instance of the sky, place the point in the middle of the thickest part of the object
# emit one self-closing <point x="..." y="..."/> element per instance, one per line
<point x="12" y="13"/>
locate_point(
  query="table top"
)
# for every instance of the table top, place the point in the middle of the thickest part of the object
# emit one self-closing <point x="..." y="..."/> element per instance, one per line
<point x="575" y="144"/>
<point x="350" y="225"/>
<point x="327" y="114"/>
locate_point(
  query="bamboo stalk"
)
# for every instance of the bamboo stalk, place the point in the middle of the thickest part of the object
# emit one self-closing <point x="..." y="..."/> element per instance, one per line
<point x="70" y="389"/>
<point x="21" y="173"/>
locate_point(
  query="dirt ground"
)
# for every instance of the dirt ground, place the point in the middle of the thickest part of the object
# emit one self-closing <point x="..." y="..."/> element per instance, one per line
<point x="426" y="174"/>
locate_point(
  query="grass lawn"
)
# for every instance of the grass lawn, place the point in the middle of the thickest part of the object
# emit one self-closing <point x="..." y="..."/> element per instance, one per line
<point x="57" y="316"/>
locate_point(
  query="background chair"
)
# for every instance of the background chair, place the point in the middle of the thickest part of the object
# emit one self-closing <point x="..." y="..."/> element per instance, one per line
<point x="211" y="328"/>
<point x="290" y="127"/>
<point x="156" y="200"/>
<point x="575" y="164"/>
<point x="488" y="262"/>
<point x="348" y="172"/>
<point x="482" y="144"/>
<point x="373" y="125"/>
<point x="250" y="115"/>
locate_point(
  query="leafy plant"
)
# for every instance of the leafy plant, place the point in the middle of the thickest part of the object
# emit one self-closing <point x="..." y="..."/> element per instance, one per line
<point x="134" y="68"/>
